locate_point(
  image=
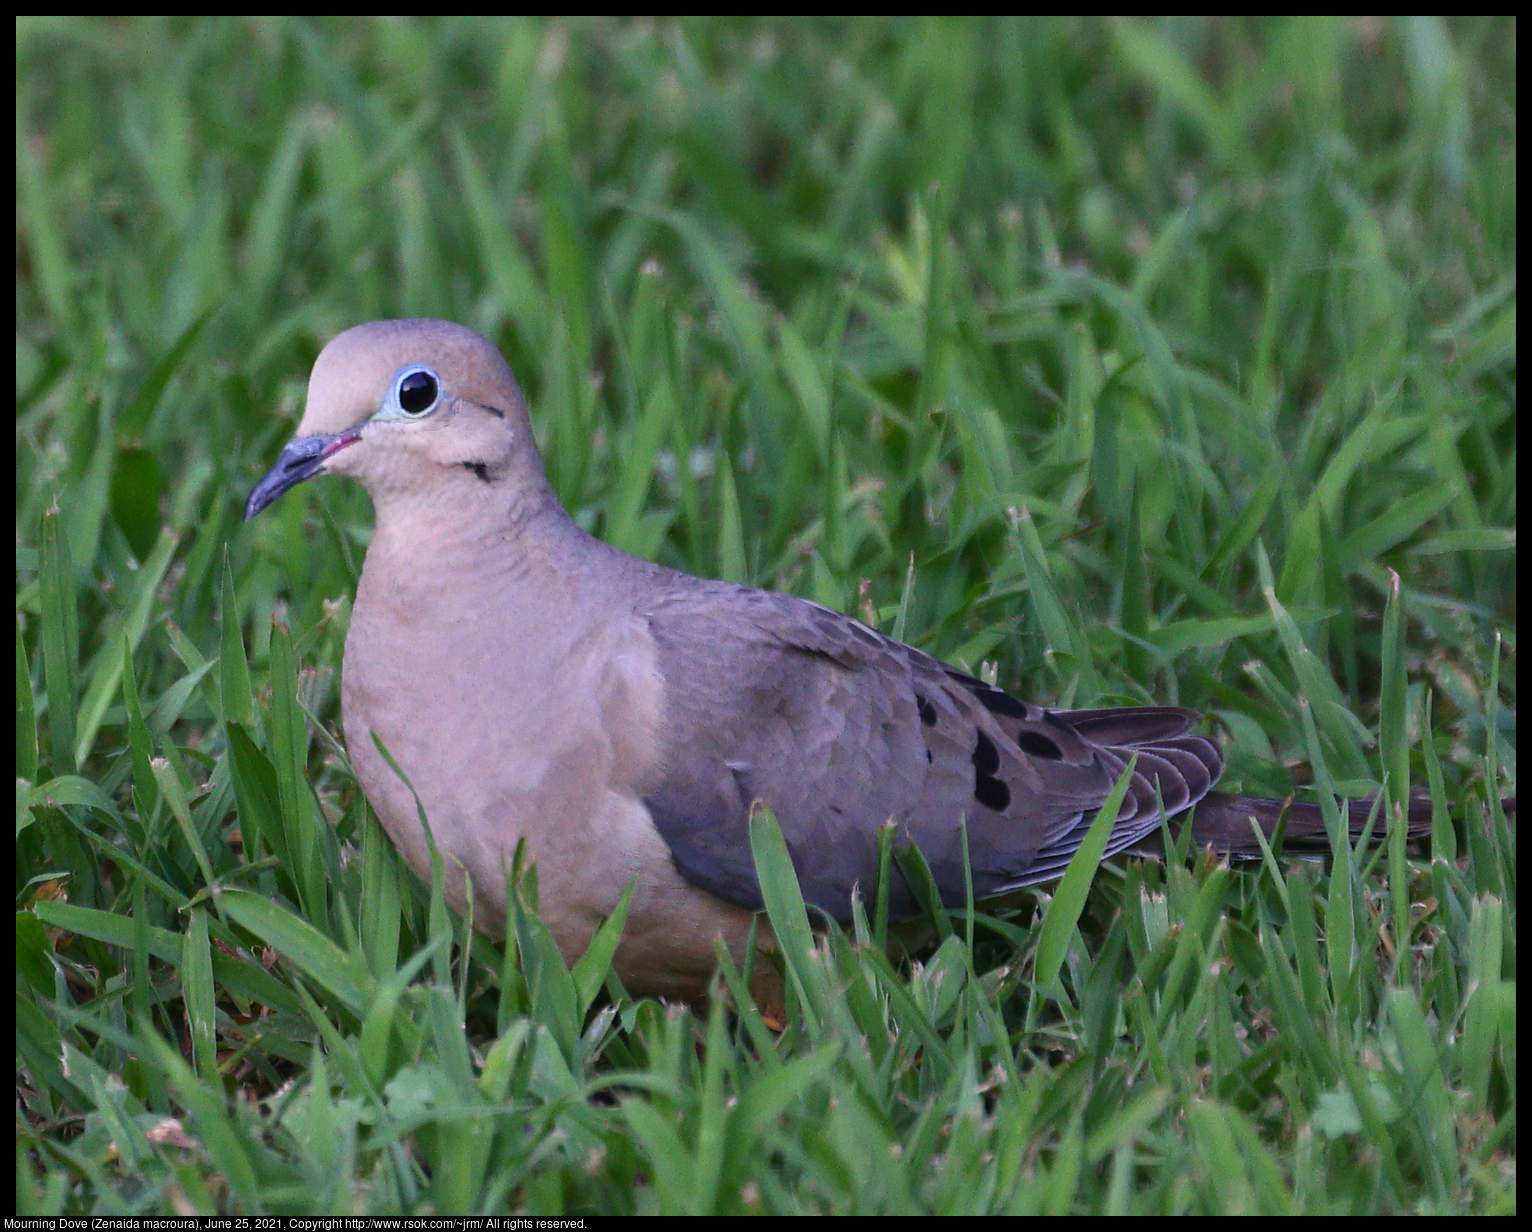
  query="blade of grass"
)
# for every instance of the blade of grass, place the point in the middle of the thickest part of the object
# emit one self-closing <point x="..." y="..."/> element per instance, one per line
<point x="1069" y="899"/>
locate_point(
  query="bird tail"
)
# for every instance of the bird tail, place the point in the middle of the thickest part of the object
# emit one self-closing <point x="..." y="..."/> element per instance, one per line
<point x="1223" y="822"/>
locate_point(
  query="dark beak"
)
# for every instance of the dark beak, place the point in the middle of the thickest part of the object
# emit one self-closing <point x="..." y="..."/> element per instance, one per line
<point x="302" y="459"/>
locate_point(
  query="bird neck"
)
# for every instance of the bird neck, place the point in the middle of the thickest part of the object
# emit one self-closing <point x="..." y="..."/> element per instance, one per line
<point x="507" y="534"/>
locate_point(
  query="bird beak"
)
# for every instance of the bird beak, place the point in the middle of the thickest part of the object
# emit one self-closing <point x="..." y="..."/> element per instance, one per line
<point x="302" y="459"/>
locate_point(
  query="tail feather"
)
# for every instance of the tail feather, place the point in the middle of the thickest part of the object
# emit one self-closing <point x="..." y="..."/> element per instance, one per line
<point x="1223" y="822"/>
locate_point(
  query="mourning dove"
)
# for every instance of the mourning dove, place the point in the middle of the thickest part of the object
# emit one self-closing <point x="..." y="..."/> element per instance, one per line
<point x="535" y="683"/>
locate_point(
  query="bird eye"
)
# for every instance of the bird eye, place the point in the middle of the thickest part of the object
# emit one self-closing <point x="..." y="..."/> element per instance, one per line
<point x="417" y="391"/>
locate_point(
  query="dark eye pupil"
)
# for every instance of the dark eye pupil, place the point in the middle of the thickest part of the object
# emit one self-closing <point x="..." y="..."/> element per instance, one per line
<point x="417" y="392"/>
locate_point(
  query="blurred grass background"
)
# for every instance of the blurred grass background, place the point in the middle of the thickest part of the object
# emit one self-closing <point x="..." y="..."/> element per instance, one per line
<point x="1113" y="360"/>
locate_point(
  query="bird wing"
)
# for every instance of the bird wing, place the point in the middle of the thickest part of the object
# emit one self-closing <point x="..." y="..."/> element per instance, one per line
<point x="840" y="729"/>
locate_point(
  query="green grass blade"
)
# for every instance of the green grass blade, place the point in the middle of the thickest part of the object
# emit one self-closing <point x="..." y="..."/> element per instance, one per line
<point x="60" y="642"/>
<point x="26" y="713"/>
<point x="233" y="669"/>
<point x="314" y="954"/>
<point x="1069" y="899"/>
<point x="197" y="991"/>
<point x="784" y="905"/>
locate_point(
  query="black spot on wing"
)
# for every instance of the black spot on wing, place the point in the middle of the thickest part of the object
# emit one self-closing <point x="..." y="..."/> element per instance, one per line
<point x="479" y="469"/>
<point x="1038" y="745"/>
<point x="991" y="793"/>
<point x="987" y="789"/>
<point x="927" y="710"/>
<point x="997" y="702"/>
<point x="992" y="699"/>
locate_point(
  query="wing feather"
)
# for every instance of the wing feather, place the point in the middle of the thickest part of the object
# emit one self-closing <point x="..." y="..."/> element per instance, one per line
<point x="840" y="729"/>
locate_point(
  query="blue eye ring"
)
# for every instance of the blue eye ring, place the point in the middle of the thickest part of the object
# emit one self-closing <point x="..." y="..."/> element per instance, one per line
<point x="417" y="391"/>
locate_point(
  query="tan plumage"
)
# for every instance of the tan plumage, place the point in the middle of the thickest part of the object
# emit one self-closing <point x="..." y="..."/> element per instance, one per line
<point x="535" y="683"/>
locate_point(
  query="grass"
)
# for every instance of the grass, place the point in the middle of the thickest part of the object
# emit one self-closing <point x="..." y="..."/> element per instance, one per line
<point x="1116" y="361"/>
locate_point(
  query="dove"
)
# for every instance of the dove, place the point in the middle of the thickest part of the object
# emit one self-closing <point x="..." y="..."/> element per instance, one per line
<point x="534" y="684"/>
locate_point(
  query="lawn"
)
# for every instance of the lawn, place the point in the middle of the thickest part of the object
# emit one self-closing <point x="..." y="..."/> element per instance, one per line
<point x="1114" y="361"/>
